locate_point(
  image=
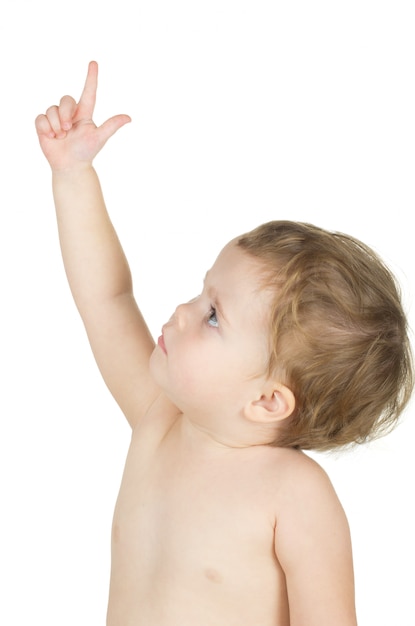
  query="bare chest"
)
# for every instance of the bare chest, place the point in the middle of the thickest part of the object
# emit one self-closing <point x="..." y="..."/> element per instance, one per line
<point x="190" y="530"/>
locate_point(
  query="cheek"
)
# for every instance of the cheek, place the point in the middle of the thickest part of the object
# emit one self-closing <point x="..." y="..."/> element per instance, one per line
<point x="189" y="368"/>
<point x="182" y="371"/>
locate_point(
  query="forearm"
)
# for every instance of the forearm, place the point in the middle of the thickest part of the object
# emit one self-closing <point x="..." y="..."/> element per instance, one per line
<point x="95" y="264"/>
<point x="94" y="261"/>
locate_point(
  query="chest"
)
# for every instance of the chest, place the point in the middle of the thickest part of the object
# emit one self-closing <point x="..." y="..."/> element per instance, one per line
<point x="181" y="510"/>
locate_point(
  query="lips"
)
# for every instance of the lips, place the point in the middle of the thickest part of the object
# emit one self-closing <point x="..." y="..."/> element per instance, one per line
<point x="160" y="342"/>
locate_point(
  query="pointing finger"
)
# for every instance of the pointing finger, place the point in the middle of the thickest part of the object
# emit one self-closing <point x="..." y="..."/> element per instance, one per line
<point x="87" y="100"/>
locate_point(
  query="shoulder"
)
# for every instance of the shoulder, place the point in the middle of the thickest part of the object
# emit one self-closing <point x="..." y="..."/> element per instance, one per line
<point x="304" y="477"/>
<point x="306" y="493"/>
<point x="307" y="513"/>
<point x="295" y="473"/>
<point x="313" y="545"/>
<point x="309" y="517"/>
<point x="298" y="490"/>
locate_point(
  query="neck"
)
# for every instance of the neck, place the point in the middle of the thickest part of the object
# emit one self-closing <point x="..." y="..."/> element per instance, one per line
<point x="209" y="436"/>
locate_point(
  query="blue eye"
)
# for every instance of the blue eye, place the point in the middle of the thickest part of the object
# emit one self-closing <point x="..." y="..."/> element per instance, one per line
<point x="212" y="320"/>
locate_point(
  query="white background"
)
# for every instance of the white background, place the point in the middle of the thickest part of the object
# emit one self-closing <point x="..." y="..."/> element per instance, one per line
<point x="242" y="112"/>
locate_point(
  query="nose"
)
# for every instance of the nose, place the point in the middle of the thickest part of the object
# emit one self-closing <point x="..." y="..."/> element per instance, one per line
<point x="179" y="316"/>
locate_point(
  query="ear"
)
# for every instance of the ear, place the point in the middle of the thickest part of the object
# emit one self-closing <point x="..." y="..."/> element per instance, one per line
<point x="274" y="406"/>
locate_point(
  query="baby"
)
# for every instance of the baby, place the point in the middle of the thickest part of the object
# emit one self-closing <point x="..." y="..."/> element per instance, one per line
<point x="297" y="342"/>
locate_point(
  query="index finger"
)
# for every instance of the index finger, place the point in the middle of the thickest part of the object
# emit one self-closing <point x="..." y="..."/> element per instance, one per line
<point x="87" y="100"/>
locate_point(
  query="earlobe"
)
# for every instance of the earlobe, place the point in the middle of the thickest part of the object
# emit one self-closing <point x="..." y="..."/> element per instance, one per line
<point x="273" y="407"/>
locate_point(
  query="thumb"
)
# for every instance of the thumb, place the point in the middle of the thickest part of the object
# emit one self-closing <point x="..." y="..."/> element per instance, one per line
<point x="110" y="127"/>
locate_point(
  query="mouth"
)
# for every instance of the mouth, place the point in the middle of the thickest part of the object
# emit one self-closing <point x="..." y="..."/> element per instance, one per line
<point x="161" y="344"/>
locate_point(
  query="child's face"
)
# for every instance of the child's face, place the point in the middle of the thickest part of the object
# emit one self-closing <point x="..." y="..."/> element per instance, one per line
<point x="213" y="352"/>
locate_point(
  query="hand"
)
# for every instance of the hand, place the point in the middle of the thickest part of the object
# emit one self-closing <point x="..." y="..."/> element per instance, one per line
<point x="68" y="136"/>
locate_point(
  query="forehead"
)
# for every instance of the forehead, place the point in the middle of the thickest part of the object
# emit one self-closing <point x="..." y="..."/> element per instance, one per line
<point x="237" y="277"/>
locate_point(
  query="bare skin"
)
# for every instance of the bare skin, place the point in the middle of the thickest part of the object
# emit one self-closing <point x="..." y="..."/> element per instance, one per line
<point x="212" y="525"/>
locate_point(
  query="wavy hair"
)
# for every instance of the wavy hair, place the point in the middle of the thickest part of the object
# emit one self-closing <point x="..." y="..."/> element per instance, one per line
<point x="339" y="335"/>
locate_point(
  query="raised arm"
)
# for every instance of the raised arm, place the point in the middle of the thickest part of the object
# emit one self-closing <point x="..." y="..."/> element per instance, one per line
<point x="96" y="267"/>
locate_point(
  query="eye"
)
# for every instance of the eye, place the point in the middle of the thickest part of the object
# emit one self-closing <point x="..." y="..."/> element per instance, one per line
<point x="212" y="320"/>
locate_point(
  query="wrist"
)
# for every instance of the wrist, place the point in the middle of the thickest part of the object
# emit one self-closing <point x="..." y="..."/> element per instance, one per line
<point x="73" y="172"/>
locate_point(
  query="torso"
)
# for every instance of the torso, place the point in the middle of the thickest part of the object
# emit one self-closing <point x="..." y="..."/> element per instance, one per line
<point x="193" y="533"/>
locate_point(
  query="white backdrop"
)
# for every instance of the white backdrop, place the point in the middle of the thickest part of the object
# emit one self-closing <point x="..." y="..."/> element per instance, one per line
<point x="242" y="112"/>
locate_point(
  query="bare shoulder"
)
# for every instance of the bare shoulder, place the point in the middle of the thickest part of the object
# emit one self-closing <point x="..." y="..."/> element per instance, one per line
<point x="297" y="488"/>
<point x="313" y="545"/>
<point x="303" y="476"/>
<point x="293" y="471"/>
<point x="306" y="497"/>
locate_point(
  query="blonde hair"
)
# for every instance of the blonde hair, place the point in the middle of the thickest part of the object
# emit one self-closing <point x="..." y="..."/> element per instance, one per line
<point x="339" y="335"/>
